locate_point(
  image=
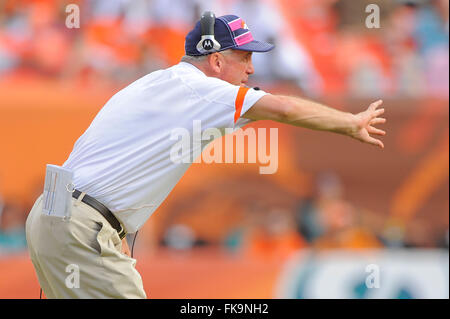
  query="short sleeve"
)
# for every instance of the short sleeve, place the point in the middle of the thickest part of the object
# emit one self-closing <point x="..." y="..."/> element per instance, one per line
<point x="221" y="104"/>
<point x="245" y="99"/>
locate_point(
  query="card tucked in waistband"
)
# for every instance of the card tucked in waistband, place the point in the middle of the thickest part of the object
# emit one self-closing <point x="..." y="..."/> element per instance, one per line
<point x="58" y="189"/>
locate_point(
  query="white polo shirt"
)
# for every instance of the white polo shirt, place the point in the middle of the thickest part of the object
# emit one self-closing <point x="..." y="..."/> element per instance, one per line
<point x="123" y="159"/>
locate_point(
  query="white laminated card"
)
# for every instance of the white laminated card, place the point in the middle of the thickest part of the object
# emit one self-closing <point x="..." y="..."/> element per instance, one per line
<point x="58" y="190"/>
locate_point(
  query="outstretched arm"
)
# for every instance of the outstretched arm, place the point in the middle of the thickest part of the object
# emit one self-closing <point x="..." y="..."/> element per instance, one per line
<point x="300" y="112"/>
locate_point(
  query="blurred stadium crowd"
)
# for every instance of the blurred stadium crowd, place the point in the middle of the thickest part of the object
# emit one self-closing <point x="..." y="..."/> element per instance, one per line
<point x="323" y="47"/>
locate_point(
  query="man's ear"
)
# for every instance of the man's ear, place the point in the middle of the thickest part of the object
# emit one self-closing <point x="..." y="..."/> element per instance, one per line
<point x="216" y="62"/>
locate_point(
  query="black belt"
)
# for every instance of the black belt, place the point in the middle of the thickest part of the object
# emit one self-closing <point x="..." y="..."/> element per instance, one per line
<point x="102" y="209"/>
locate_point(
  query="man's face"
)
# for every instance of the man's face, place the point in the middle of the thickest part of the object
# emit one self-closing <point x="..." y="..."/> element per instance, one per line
<point x="238" y="66"/>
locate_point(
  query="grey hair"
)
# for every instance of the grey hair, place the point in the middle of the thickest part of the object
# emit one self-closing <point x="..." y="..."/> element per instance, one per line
<point x="200" y="58"/>
<point x="193" y="58"/>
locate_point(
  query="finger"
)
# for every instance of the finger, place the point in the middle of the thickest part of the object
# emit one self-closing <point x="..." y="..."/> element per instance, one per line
<point x="375" y="142"/>
<point x="377" y="113"/>
<point x="376" y="104"/>
<point x="378" y="120"/>
<point x="373" y="130"/>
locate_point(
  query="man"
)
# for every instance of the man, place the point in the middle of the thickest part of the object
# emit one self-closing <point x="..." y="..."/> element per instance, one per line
<point x="122" y="165"/>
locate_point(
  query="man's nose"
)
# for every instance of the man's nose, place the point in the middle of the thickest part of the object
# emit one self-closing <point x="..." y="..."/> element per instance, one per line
<point x="250" y="68"/>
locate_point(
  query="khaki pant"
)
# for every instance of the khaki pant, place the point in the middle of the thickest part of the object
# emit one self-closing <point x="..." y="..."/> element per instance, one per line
<point x="80" y="257"/>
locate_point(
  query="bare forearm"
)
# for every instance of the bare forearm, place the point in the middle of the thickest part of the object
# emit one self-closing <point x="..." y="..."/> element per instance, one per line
<point x="300" y="112"/>
<point x="312" y="115"/>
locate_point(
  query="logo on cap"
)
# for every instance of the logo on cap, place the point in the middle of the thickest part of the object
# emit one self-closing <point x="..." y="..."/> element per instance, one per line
<point x="207" y="44"/>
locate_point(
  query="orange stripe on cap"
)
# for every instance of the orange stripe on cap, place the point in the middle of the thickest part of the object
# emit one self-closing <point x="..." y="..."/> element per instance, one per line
<point x="239" y="102"/>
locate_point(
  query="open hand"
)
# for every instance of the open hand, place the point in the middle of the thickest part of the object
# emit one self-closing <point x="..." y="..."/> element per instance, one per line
<point x="365" y="122"/>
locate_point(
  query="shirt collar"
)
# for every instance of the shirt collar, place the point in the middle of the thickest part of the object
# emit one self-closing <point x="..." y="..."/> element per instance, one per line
<point x="192" y="67"/>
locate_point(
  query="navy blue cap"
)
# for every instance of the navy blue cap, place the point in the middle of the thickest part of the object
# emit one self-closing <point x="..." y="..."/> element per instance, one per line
<point x="231" y="32"/>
